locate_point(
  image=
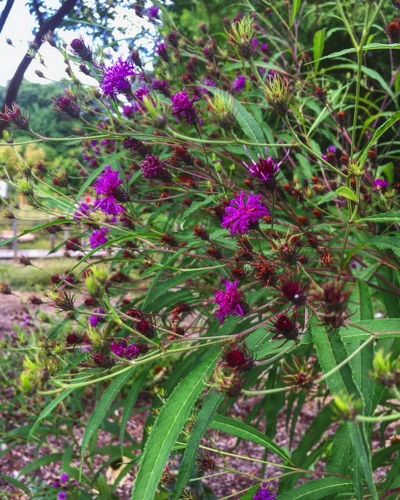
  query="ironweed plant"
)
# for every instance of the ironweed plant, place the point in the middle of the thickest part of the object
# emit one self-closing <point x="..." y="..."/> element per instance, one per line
<point x="235" y="211"/>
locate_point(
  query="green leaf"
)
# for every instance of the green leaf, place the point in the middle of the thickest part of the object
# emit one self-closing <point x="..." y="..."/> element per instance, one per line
<point x="49" y="409"/>
<point x="327" y="360"/>
<point x="40" y="462"/>
<point x="379" y="132"/>
<point x="15" y="483"/>
<point x="168" y="426"/>
<point x="366" y="306"/>
<point x="246" y="121"/>
<point x="204" y="418"/>
<point x="241" y="430"/>
<point x="295" y="10"/>
<point x="359" y="440"/>
<point x="346" y="192"/>
<point x="102" y="407"/>
<point x="382" y="217"/>
<point x="319" y="45"/>
<point x="322" y="488"/>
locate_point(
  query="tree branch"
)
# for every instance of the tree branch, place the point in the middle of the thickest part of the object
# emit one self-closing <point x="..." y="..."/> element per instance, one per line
<point x="50" y="25"/>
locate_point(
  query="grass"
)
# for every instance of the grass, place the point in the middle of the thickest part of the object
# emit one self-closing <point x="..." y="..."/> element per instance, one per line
<point x="35" y="277"/>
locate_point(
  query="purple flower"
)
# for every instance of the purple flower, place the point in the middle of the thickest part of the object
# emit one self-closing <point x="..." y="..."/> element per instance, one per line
<point x="265" y="169"/>
<point x="153" y="11"/>
<point x="64" y="478"/>
<point x="230" y="301"/>
<point x="153" y="168"/>
<point x="381" y="184"/>
<point x="243" y="213"/>
<point x="209" y="82"/>
<point x="99" y="237"/>
<point x="83" y="210"/>
<point x="141" y="93"/>
<point x="115" y="78"/>
<point x="108" y="182"/>
<point x="161" y="85"/>
<point x="265" y="48"/>
<point x="132" y="351"/>
<point x="239" y="84"/>
<point x="183" y="109"/>
<point x="162" y="51"/>
<point x="99" y="317"/>
<point x="130" y="109"/>
<point x="264" y="494"/>
<point x="122" y="350"/>
<point x="118" y="347"/>
<point x="110" y="206"/>
<point x="63" y="495"/>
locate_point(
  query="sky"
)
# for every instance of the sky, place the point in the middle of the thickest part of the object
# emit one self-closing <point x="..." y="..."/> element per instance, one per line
<point x="18" y="29"/>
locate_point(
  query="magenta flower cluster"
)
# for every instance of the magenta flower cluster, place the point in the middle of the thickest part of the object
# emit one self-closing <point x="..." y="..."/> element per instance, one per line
<point x="121" y="349"/>
<point x="244" y="213"/>
<point x="154" y="168"/>
<point x="183" y="107"/>
<point x="108" y="186"/>
<point x="99" y="237"/>
<point x="115" y="78"/>
<point x="264" y="494"/>
<point x="230" y="301"/>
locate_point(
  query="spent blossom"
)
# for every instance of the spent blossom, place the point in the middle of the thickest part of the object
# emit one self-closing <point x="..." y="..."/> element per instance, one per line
<point x="154" y="168"/>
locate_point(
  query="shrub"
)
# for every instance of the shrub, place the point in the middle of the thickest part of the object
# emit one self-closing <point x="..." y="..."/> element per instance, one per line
<point x="237" y="214"/>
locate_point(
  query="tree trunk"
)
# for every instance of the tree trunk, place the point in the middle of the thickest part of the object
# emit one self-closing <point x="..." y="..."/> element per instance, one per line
<point x="49" y="25"/>
<point x="5" y="13"/>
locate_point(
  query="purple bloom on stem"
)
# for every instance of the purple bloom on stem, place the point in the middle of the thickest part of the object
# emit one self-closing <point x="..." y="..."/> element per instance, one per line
<point x="265" y="48"/>
<point x="162" y="51"/>
<point x="183" y="109"/>
<point x="130" y="109"/>
<point x="153" y="11"/>
<point x="381" y="184"/>
<point x="230" y="301"/>
<point x="122" y="350"/>
<point x="108" y="182"/>
<point x="115" y="79"/>
<point x="118" y="347"/>
<point x="141" y="93"/>
<point x="265" y="169"/>
<point x="63" y="495"/>
<point x="99" y="237"/>
<point x="96" y="319"/>
<point x="243" y="213"/>
<point x="132" y="351"/>
<point x="153" y="168"/>
<point x="64" y="478"/>
<point x="161" y="85"/>
<point x="264" y="494"/>
<point x="110" y="206"/>
<point x="239" y="84"/>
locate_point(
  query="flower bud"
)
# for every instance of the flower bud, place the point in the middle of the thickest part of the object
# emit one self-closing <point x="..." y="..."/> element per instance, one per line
<point x="277" y="93"/>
